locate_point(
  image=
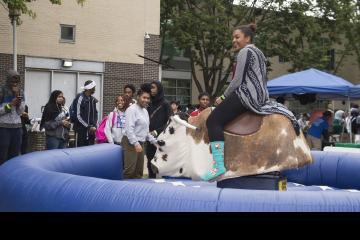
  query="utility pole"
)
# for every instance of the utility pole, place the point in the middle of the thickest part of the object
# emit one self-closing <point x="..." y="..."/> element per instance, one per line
<point x="13" y="15"/>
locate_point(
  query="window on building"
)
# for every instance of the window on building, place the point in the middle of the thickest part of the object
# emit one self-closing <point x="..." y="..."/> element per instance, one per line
<point x="67" y="33"/>
<point x="177" y="90"/>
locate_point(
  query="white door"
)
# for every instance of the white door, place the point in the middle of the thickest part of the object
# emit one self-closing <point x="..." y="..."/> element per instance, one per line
<point x="65" y="82"/>
<point x="39" y="85"/>
<point x="37" y="91"/>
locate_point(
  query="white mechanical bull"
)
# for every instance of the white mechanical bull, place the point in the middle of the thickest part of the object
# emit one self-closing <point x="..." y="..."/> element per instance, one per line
<point x="254" y="144"/>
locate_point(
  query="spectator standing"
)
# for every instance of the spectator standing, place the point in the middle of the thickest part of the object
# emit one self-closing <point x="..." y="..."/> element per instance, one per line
<point x="56" y="121"/>
<point x="338" y="122"/>
<point x="304" y="123"/>
<point x="350" y="117"/>
<point x="318" y="132"/>
<point x="130" y="91"/>
<point x="176" y="110"/>
<point x="12" y="106"/>
<point x="159" y="111"/>
<point x="115" y="130"/>
<point x="355" y="120"/>
<point x="136" y="133"/>
<point x="86" y="115"/>
<point x="204" y="102"/>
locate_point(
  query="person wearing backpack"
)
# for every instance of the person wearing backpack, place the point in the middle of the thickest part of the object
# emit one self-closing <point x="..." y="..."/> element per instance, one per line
<point x="84" y="115"/>
<point x="115" y="123"/>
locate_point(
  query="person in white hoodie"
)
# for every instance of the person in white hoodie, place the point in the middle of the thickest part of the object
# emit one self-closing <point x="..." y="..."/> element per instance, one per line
<point x="115" y="132"/>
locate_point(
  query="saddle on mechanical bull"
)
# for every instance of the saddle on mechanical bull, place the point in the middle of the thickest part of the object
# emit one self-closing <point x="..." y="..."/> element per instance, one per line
<point x="254" y="144"/>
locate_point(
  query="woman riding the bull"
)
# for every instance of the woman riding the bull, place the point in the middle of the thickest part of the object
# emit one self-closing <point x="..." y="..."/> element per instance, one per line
<point x="246" y="92"/>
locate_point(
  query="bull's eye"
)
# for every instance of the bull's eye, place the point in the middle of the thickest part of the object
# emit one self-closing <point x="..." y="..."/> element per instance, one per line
<point x="160" y="149"/>
<point x="181" y="171"/>
<point x="161" y="143"/>
<point x="164" y="157"/>
<point x="171" y="130"/>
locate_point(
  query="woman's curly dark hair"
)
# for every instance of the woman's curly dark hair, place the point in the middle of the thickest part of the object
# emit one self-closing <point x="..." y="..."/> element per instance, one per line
<point x="144" y="88"/>
<point x="126" y="99"/>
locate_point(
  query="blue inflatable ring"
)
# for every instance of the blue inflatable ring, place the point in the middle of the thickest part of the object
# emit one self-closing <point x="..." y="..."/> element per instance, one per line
<point x="90" y="179"/>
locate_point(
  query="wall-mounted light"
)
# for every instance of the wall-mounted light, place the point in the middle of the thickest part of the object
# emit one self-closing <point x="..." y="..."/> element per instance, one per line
<point x="147" y="36"/>
<point x="67" y="63"/>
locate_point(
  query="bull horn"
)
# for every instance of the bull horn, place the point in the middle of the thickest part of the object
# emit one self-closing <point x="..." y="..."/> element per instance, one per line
<point x="183" y="122"/>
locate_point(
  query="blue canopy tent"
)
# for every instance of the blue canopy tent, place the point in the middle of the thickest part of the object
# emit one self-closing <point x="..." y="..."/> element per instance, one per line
<point x="312" y="81"/>
<point x="355" y="92"/>
<point x="324" y="85"/>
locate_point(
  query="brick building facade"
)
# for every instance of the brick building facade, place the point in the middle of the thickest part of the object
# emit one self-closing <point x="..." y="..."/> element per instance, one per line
<point x="6" y="63"/>
<point x="117" y="75"/>
<point x="107" y="38"/>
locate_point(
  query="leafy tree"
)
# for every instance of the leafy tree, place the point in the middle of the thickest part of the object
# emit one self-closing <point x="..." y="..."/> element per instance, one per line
<point x="300" y="31"/>
<point x="202" y="28"/>
<point x="308" y="30"/>
<point x="346" y="14"/>
<point x="301" y="39"/>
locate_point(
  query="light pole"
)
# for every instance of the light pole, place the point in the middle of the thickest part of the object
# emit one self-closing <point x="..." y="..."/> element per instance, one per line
<point x="13" y="15"/>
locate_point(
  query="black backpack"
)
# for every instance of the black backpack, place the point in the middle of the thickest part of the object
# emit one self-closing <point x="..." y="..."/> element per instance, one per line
<point x="72" y="109"/>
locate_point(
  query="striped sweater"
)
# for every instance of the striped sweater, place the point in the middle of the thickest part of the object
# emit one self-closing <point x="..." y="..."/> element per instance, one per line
<point x="249" y="82"/>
